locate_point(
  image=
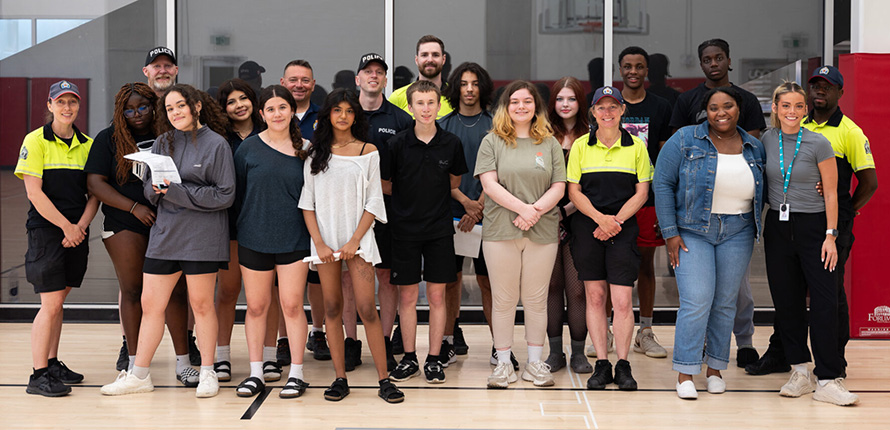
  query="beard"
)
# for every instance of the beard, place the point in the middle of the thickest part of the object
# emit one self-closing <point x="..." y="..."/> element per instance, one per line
<point x="436" y="72"/>
<point x="162" y="86"/>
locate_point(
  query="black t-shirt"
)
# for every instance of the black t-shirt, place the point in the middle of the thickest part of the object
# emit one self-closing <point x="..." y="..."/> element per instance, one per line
<point x="665" y="92"/>
<point x="102" y="161"/>
<point x="688" y="109"/>
<point x="649" y="121"/>
<point x="421" y="183"/>
<point x="383" y="124"/>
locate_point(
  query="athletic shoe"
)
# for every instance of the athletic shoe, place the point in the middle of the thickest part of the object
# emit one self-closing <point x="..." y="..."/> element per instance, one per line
<point x="556" y="361"/>
<point x="494" y="359"/>
<point x="46" y="385"/>
<point x="223" y="371"/>
<point x="434" y="372"/>
<point x="580" y="364"/>
<point x="460" y="344"/>
<point x="746" y="355"/>
<point x="282" y="352"/>
<point x="590" y="351"/>
<point x="538" y="373"/>
<point x="61" y="372"/>
<point x="127" y="383"/>
<point x="623" y="377"/>
<point x="406" y="370"/>
<point x="446" y="354"/>
<point x="798" y="385"/>
<point x="271" y="371"/>
<point x="391" y="362"/>
<point x="502" y="376"/>
<point x="716" y="385"/>
<point x="123" y="357"/>
<point x="602" y="375"/>
<point x="188" y="377"/>
<point x="208" y="386"/>
<point x="767" y="364"/>
<point x="686" y="390"/>
<point x="645" y="343"/>
<point x="353" y="353"/>
<point x="194" y="353"/>
<point x="319" y="346"/>
<point x="835" y="392"/>
<point x="398" y="347"/>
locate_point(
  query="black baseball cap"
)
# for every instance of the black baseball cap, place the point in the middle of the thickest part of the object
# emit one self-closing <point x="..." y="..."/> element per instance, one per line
<point x="61" y="88"/>
<point x="370" y="58"/>
<point x="250" y="70"/>
<point x="830" y="74"/>
<point x="160" y="50"/>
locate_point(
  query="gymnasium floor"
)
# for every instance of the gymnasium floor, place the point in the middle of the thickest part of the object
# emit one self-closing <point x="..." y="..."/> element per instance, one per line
<point x="461" y="402"/>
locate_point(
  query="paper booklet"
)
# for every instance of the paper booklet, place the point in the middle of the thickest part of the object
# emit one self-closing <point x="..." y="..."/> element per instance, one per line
<point x="467" y="244"/>
<point x="161" y="166"/>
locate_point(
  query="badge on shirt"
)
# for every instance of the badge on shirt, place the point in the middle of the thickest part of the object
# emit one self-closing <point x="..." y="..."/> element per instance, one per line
<point x="784" y="212"/>
<point x="867" y="147"/>
<point x="24" y="154"/>
<point x="539" y="161"/>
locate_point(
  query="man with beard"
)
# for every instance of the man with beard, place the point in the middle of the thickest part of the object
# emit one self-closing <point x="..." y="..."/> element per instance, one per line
<point x="160" y="69"/>
<point x="430" y="58"/>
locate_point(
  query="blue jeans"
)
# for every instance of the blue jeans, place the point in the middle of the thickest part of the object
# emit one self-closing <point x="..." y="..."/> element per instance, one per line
<point x="708" y="279"/>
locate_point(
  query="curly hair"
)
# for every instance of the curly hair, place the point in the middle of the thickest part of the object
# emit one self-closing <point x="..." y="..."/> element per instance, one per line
<point x="232" y="85"/>
<point x="503" y="124"/>
<point x="582" y="126"/>
<point x="485" y="89"/>
<point x="122" y="138"/>
<point x="273" y="91"/>
<point x="210" y="114"/>
<point x="320" y="151"/>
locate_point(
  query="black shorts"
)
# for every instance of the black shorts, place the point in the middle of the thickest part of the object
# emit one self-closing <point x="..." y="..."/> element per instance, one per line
<point x="49" y="266"/>
<point x="433" y="257"/>
<point x="617" y="260"/>
<point x="383" y="236"/>
<point x="154" y="266"/>
<point x="478" y="264"/>
<point x="312" y="277"/>
<point x="262" y="261"/>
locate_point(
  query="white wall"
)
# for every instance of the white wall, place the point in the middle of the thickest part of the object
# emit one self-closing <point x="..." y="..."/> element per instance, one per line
<point x="86" y="9"/>
<point x="868" y="26"/>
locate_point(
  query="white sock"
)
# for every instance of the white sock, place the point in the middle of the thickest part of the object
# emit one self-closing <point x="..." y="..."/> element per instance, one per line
<point x="449" y="339"/>
<point x="822" y="382"/>
<point x="314" y="329"/>
<point x="223" y="353"/>
<point x="207" y="368"/>
<point x="504" y="356"/>
<point x="182" y="361"/>
<point x="256" y="369"/>
<point x="140" y="372"/>
<point x="802" y="368"/>
<point x="535" y="353"/>
<point x="645" y="322"/>
<point x="132" y="363"/>
<point x="269" y="353"/>
<point x="296" y="371"/>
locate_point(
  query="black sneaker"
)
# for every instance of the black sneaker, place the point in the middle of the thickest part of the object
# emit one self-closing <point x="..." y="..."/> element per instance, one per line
<point x="46" y="385"/>
<point x="434" y="372"/>
<point x="398" y="348"/>
<point x="623" y="377"/>
<point x="746" y="355"/>
<point x="320" y="350"/>
<point x="406" y="370"/>
<point x="61" y="372"/>
<point x="391" y="362"/>
<point x="602" y="375"/>
<point x="446" y="354"/>
<point x="123" y="357"/>
<point x="494" y="359"/>
<point x="353" y="353"/>
<point x="767" y="364"/>
<point x="282" y="352"/>
<point x="460" y="344"/>
<point x="194" y="353"/>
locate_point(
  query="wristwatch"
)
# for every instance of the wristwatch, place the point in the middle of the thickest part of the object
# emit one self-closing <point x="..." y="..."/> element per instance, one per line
<point x="832" y="231"/>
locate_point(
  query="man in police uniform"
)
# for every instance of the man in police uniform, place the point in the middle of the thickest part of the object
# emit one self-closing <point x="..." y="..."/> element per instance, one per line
<point x="429" y="58"/>
<point x="299" y="79"/>
<point x="160" y="69"/>
<point x="853" y="155"/>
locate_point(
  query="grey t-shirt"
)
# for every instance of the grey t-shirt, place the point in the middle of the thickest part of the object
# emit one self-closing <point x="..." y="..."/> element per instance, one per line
<point x="802" y="194"/>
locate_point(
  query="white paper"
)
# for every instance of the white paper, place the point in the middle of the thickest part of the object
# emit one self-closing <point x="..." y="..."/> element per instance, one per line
<point x="161" y="166"/>
<point x="467" y="244"/>
<point x="314" y="259"/>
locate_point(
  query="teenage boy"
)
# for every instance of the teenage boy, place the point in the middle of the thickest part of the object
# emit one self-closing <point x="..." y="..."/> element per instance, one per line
<point x="430" y="59"/>
<point x="715" y="63"/>
<point x="421" y="167"/>
<point x="470" y="89"/>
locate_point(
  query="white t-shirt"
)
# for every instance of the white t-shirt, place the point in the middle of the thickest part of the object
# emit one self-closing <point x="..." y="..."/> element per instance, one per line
<point x="733" y="185"/>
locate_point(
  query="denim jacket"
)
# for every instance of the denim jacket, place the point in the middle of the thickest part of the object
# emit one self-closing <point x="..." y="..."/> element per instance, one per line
<point x="685" y="175"/>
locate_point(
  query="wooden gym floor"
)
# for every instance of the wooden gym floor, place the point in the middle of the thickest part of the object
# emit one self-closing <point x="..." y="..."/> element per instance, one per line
<point x="751" y="402"/>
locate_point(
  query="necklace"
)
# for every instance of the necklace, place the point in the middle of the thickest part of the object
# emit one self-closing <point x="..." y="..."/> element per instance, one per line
<point x="478" y="117"/>
<point x="730" y="137"/>
<point x="343" y="144"/>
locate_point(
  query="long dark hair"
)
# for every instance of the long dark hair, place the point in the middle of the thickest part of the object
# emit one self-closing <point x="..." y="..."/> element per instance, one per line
<point x="296" y="137"/>
<point x="122" y="138"/>
<point x="320" y="151"/>
<point x="582" y="127"/>
<point x="486" y="87"/>
<point x="232" y="85"/>
<point x="211" y="115"/>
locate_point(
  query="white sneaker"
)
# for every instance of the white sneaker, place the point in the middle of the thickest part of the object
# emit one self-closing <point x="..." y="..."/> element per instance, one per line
<point x="798" y="385"/>
<point x="686" y="390"/>
<point x="835" y="392"/>
<point x="716" y="385"/>
<point x="502" y="376"/>
<point x="127" y="383"/>
<point x="208" y="384"/>
<point x="590" y="350"/>
<point x="538" y="373"/>
<point x="645" y="343"/>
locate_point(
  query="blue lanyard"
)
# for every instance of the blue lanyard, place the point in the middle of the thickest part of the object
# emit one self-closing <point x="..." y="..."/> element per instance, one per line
<point x="787" y="176"/>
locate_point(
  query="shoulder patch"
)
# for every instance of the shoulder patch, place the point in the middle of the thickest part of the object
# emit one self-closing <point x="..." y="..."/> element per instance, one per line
<point x="867" y="147"/>
<point x="24" y="154"/>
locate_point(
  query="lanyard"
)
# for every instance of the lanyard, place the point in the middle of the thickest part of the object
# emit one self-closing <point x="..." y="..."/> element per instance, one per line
<point x="787" y="176"/>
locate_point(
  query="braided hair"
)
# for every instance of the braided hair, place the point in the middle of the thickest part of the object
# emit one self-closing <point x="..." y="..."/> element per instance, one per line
<point x="123" y="140"/>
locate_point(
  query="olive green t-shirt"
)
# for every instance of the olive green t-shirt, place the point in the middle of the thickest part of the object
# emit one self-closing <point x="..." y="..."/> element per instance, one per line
<point x="527" y="171"/>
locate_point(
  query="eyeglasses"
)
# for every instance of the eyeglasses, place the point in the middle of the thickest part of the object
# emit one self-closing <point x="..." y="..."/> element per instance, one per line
<point x="142" y="110"/>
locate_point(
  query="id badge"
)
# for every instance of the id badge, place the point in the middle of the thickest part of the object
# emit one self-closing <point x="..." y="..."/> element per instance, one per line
<point x="784" y="212"/>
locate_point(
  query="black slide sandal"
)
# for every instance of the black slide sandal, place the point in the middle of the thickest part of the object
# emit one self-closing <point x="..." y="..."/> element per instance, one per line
<point x="258" y="385"/>
<point x="338" y="390"/>
<point x="390" y="393"/>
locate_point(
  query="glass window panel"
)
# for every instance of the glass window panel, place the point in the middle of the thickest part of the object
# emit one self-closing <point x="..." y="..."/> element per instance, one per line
<point x="49" y="28"/>
<point x="15" y="36"/>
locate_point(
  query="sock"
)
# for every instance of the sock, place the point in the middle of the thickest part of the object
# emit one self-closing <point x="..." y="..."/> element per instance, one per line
<point x="411" y="356"/>
<point x="449" y="339"/>
<point x="802" y="368"/>
<point x="282" y="337"/>
<point x="504" y="356"/>
<point x="535" y="353"/>
<point x="555" y="345"/>
<point x="52" y="362"/>
<point x="268" y="353"/>
<point x="256" y="369"/>
<point x="141" y="372"/>
<point x="645" y="321"/>
<point x="207" y="368"/>
<point x="577" y="347"/>
<point x="315" y="329"/>
<point x="132" y="363"/>
<point x="296" y="371"/>
<point x="822" y="382"/>
<point x="124" y="338"/>
<point x="433" y="358"/>
<point x="41" y="371"/>
<point x="182" y="361"/>
<point x="223" y="353"/>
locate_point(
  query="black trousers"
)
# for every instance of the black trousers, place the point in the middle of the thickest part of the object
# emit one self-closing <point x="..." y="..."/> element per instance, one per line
<point x="793" y="266"/>
<point x="844" y="244"/>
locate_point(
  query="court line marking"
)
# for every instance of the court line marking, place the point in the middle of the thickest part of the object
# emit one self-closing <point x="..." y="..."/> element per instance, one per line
<point x="256" y="404"/>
